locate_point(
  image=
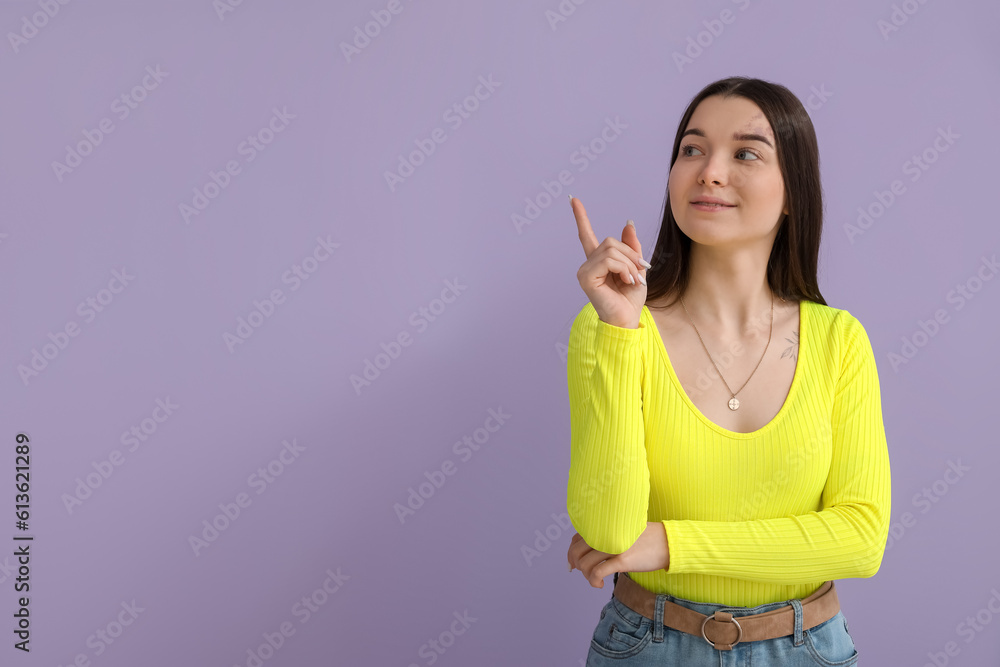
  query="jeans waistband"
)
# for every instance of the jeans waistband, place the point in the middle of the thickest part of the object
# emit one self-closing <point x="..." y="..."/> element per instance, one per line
<point x="724" y="626"/>
<point x="709" y="608"/>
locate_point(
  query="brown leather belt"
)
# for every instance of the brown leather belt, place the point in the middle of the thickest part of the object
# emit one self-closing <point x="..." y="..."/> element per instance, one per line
<point x="722" y="630"/>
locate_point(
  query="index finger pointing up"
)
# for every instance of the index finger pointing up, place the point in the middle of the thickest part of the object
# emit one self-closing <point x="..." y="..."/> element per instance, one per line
<point x="586" y="232"/>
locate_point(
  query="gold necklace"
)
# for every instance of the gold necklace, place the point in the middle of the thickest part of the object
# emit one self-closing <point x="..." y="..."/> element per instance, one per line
<point x="734" y="403"/>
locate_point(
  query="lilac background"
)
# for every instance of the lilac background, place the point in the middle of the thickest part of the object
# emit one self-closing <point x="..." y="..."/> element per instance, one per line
<point x="499" y="345"/>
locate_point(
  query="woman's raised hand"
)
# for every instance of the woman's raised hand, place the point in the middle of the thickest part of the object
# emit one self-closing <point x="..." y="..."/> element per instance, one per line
<point x="614" y="275"/>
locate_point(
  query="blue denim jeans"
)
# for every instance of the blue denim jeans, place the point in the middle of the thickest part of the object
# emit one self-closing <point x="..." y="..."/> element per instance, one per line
<point x="628" y="639"/>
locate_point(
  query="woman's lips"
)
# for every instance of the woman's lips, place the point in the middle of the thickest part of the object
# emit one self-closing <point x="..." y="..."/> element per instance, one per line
<point x="710" y="207"/>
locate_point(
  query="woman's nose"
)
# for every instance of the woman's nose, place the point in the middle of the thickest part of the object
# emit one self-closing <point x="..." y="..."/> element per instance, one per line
<point x="713" y="171"/>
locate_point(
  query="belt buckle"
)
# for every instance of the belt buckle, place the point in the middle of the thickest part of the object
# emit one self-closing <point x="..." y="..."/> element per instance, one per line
<point x="713" y="617"/>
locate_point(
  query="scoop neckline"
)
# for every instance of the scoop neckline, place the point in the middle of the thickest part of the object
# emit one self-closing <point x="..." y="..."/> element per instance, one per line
<point x="785" y="407"/>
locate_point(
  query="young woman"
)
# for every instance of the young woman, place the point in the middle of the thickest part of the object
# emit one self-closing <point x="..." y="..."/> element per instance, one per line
<point x="728" y="452"/>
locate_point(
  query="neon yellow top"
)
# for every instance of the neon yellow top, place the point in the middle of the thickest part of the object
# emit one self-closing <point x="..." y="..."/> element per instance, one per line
<point x="750" y="518"/>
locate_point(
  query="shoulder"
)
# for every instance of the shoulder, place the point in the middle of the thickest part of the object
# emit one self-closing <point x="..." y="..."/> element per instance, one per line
<point x="845" y="339"/>
<point x="838" y="324"/>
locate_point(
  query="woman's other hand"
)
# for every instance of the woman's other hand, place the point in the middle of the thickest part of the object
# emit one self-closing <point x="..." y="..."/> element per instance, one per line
<point x="649" y="553"/>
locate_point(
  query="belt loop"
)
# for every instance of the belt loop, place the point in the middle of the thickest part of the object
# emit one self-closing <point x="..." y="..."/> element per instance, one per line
<point x="797" y="638"/>
<point x="661" y="601"/>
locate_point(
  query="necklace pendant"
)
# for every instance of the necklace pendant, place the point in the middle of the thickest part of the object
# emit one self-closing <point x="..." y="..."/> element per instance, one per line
<point x="734" y="403"/>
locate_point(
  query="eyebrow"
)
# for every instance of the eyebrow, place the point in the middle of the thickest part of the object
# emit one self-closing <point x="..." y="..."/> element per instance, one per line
<point x="737" y="136"/>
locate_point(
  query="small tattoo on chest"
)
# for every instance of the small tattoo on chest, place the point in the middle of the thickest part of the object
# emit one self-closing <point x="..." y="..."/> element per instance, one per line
<point x="793" y="349"/>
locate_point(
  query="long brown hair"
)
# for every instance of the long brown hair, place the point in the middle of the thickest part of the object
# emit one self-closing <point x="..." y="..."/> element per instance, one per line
<point x="791" y="268"/>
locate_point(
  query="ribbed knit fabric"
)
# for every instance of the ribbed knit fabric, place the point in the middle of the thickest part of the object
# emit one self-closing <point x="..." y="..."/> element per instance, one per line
<point x="750" y="518"/>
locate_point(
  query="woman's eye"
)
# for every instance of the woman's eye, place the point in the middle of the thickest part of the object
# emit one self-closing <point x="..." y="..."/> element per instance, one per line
<point x="683" y="151"/>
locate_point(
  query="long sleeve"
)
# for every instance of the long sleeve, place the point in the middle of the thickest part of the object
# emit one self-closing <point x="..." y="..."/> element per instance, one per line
<point x="608" y="490"/>
<point x="847" y="537"/>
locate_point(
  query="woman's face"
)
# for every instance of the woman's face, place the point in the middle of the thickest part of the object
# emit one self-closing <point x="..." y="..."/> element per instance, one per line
<point x="744" y="172"/>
